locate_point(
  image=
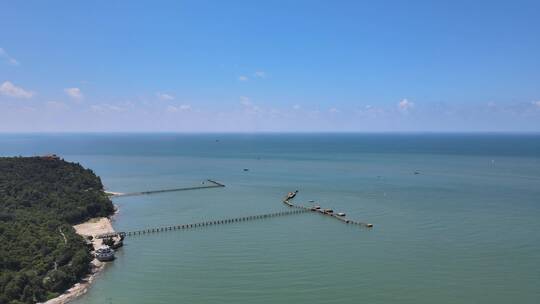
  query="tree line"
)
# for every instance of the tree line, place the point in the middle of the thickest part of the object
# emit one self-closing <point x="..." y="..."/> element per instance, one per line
<point x="40" y="199"/>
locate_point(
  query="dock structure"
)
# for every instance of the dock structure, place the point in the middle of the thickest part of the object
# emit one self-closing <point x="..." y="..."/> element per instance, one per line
<point x="211" y="184"/>
<point x="327" y="212"/>
<point x="201" y="224"/>
<point x="294" y="209"/>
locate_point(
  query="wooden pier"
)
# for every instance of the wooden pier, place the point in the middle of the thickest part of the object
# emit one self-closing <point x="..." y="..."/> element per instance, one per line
<point x="201" y="224"/>
<point x="291" y="195"/>
<point x="212" y="184"/>
<point x="295" y="209"/>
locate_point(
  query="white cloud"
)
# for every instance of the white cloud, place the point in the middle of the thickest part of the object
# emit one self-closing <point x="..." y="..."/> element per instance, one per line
<point x="9" y="89"/>
<point x="95" y="108"/>
<point x="260" y="74"/>
<point x="372" y="110"/>
<point x="297" y="107"/>
<point x="164" y="96"/>
<point x="405" y="105"/>
<point x="74" y="93"/>
<point x="172" y="109"/>
<point x="243" y="78"/>
<point x="333" y="110"/>
<point x="56" y="105"/>
<point x="245" y="101"/>
<point x="27" y="109"/>
<point x="275" y="112"/>
<point x="7" y="58"/>
<point x="249" y="107"/>
<point x="314" y="114"/>
<point x="104" y="108"/>
<point x="180" y="108"/>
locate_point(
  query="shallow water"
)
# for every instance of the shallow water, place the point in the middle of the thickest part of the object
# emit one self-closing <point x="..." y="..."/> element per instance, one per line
<point x="464" y="230"/>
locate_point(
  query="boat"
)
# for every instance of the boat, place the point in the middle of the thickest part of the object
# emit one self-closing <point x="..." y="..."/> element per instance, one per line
<point x="117" y="244"/>
<point x="328" y="211"/>
<point x="341" y="214"/>
<point x="104" y="253"/>
<point x="312" y="201"/>
<point x="290" y="195"/>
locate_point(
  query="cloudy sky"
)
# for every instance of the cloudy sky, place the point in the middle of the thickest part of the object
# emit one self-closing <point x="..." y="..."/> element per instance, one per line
<point x="248" y="66"/>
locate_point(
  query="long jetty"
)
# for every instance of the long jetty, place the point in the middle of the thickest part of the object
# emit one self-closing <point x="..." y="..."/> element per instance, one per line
<point x="295" y="209"/>
<point x="327" y="212"/>
<point x="200" y="224"/>
<point x="211" y="184"/>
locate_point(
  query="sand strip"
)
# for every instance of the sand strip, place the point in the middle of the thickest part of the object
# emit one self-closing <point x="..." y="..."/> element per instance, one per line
<point x="111" y="193"/>
<point x="92" y="228"/>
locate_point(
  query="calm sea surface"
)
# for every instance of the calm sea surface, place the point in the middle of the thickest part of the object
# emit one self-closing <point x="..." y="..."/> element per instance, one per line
<point x="465" y="230"/>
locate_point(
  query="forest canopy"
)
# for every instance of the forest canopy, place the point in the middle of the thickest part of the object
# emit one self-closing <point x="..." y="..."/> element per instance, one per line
<point x="40" y="199"/>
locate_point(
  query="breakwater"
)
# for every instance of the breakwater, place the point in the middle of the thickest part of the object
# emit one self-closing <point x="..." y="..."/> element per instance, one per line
<point x="209" y="183"/>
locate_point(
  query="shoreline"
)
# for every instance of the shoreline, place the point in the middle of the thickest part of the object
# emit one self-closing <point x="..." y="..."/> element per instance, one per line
<point x="112" y="193"/>
<point x="92" y="227"/>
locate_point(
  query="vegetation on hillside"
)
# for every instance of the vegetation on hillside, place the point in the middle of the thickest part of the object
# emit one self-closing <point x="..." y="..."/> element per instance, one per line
<point x="40" y="199"/>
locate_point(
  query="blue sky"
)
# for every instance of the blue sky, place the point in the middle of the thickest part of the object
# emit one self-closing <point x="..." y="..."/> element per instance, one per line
<point x="248" y="66"/>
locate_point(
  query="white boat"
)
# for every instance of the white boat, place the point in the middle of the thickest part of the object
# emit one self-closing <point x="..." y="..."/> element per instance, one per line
<point x="105" y="253"/>
<point x="341" y="214"/>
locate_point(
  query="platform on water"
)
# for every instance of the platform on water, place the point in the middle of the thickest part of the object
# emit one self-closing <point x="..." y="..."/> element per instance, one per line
<point x="296" y="209"/>
<point x="326" y="212"/>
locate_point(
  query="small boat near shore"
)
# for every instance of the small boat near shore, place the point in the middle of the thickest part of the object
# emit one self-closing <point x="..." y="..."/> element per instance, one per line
<point x="104" y="253"/>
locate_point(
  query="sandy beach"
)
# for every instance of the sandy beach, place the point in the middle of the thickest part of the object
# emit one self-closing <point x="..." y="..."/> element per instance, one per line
<point x="111" y="193"/>
<point x="92" y="228"/>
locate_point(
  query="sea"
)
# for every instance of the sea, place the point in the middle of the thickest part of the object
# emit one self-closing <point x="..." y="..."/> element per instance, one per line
<point x="456" y="217"/>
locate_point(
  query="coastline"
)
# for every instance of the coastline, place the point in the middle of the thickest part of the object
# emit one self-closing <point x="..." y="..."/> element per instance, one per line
<point x="111" y="193"/>
<point x="92" y="228"/>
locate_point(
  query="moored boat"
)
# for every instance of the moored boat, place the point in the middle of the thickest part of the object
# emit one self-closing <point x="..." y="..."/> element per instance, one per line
<point x="104" y="253"/>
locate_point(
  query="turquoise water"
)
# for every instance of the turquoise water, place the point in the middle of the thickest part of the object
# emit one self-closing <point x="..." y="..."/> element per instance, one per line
<point x="465" y="230"/>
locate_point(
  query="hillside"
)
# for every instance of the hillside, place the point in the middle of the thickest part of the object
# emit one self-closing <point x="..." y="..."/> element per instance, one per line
<point x="40" y="199"/>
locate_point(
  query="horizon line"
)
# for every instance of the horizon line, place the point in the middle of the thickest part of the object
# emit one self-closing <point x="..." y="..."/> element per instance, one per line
<point x="267" y="132"/>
